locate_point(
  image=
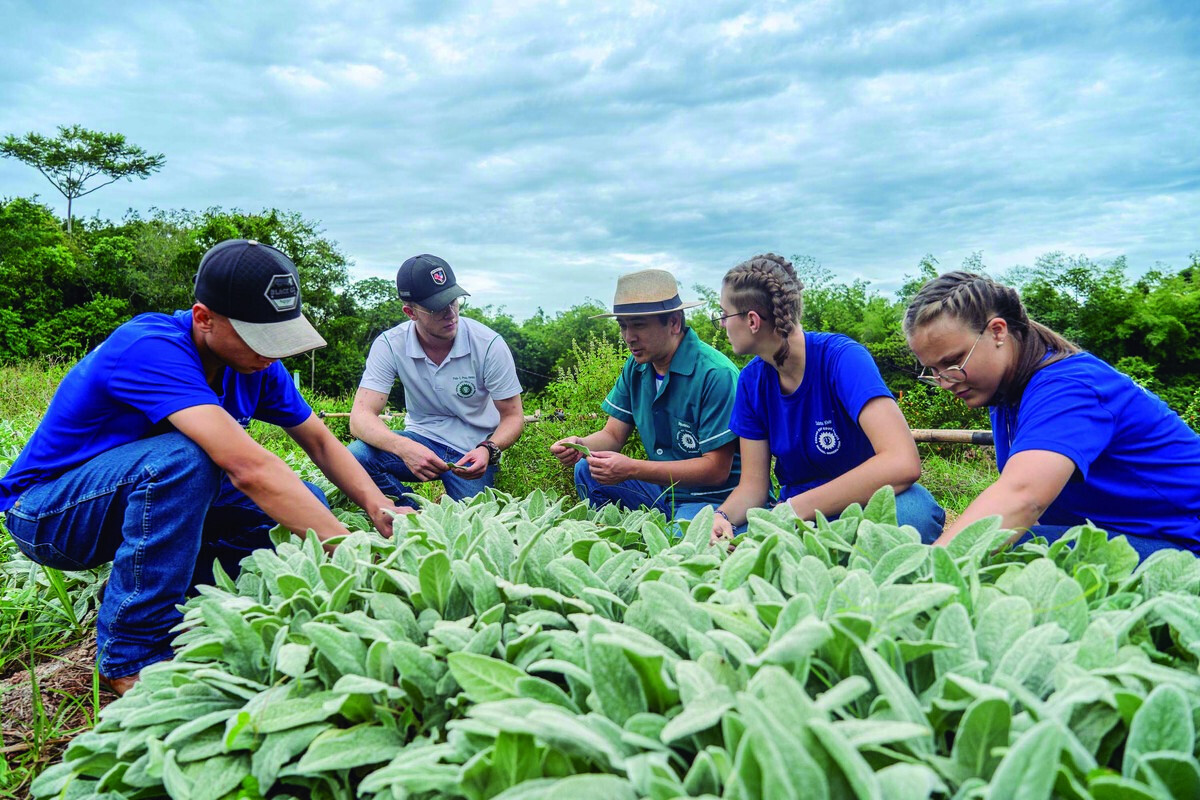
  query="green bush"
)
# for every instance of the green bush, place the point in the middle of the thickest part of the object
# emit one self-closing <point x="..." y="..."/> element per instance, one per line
<point x="927" y="407"/>
<point x="570" y="406"/>
<point x="1191" y="414"/>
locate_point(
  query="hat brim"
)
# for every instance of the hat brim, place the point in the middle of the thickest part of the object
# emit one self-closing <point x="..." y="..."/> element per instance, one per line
<point x="437" y="302"/>
<point x="279" y="339"/>
<point x="680" y="307"/>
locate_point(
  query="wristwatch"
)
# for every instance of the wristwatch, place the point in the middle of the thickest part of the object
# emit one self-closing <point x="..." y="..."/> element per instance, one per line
<point x="493" y="451"/>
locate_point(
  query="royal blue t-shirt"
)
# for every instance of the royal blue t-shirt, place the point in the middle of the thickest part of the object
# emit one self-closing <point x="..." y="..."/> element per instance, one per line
<point x="813" y="432"/>
<point x="125" y="389"/>
<point x="1137" y="464"/>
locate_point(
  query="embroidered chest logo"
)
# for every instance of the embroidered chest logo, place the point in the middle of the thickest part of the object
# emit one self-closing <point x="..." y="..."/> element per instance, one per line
<point x="827" y="440"/>
<point x="685" y="439"/>
<point x="465" y="389"/>
<point x="439" y="275"/>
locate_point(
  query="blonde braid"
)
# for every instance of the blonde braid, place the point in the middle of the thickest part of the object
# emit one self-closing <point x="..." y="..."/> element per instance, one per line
<point x="767" y="284"/>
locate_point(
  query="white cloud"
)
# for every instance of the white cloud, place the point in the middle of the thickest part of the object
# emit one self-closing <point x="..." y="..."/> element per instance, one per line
<point x="544" y="147"/>
<point x="108" y="59"/>
<point x="297" y="78"/>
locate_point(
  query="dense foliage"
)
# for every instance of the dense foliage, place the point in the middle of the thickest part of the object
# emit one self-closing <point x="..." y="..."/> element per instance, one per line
<point x="60" y="294"/>
<point x="534" y="649"/>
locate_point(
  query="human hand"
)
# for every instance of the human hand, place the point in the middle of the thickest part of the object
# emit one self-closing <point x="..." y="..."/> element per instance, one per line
<point x="722" y="529"/>
<point x="473" y="464"/>
<point x="567" y="456"/>
<point x="422" y="461"/>
<point x="609" y="467"/>
<point x="384" y="517"/>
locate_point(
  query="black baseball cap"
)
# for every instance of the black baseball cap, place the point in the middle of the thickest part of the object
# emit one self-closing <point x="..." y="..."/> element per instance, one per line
<point x="258" y="288"/>
<point x="427" y="281"/>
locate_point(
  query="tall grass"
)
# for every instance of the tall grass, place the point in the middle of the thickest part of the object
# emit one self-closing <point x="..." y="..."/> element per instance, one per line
<point x="42" y="612"/>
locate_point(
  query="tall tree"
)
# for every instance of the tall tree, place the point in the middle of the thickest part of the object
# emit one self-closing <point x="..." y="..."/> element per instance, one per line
<point x="78" y="155"/>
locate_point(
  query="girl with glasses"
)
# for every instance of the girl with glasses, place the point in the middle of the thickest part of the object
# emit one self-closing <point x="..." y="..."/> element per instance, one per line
<point x="817" y="403"/>
<point x="1075" y="439"/>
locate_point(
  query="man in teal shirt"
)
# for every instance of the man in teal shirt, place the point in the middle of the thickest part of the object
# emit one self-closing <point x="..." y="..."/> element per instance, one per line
<point x="678" y="392"/>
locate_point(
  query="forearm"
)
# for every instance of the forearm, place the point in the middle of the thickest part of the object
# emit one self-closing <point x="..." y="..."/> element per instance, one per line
<point x="1018" y="511"/>
<point x="602" y="440"/>
<point x="280" y="493"/>
<point x="741" y="500"/>
<point x="855" y="486"/>
<point x="337" y="464"/>
<point x="508" y="431"/>
<point x="369" y="428"/>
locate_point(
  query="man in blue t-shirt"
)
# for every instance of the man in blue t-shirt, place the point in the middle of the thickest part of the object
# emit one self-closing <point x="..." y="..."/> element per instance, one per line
<point x="678" y="392"/>
<point x="143" y="458"/>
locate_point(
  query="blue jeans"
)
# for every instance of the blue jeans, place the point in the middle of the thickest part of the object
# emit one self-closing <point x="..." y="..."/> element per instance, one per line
<point x="160" y="510"/>
<point x="915" y="506"/>
<point x="633" y="494"/>
<point x="388" y="470"/>
<point x="1144" y="545"/>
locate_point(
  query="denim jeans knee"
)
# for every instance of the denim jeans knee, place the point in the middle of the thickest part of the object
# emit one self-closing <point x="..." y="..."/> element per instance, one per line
<point x="916" y="507"/>
<point x="390" y="473"/>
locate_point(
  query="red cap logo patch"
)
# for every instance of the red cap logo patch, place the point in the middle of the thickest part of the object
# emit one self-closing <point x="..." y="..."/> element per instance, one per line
<point x="438" y="275"/>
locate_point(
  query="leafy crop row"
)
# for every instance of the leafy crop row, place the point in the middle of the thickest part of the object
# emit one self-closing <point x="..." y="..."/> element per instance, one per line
<point x="525" y="649"/>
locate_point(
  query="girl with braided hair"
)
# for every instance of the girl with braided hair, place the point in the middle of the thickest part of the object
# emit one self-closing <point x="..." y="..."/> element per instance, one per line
<point x="1075" y="439"/>
<point x="817" y="403"/>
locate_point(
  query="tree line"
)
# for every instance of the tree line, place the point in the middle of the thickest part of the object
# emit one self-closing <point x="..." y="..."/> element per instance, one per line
<point x="61" y="293"/>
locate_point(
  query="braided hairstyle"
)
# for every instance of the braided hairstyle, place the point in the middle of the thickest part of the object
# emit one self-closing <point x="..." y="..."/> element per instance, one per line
<point x="767" y="285"/>
<point x="976" y="299"/>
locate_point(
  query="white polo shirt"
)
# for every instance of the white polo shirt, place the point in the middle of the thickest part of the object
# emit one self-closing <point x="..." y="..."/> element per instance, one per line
<point x="449" y="402"/>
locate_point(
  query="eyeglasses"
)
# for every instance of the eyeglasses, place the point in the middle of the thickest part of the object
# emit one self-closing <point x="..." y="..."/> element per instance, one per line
<point x="449" y="311"/>
<point x="956" y="374"/>
<point x="719" y="319"/>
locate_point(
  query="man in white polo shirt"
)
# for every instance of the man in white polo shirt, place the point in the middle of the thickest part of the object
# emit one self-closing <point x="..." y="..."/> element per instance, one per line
<point x="461" y="394"/>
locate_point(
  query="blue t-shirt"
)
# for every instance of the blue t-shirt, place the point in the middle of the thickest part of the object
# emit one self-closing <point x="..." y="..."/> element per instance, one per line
<point x="1137" y="464"/>
<point x="813" y="432"/>
<point x="125" y="389"/>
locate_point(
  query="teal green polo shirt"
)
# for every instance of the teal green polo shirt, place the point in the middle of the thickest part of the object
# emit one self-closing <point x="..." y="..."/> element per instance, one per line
<point x="685" y="418"/>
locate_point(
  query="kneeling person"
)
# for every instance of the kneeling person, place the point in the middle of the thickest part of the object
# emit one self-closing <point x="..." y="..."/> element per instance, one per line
<point x="678" y="392"/>
<point x="143" y="458"/>
<point x="461" y="394"/>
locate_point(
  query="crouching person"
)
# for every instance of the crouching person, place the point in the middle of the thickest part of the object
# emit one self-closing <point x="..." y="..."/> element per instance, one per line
<point x="143" y="458"/>
<point x="462" y="398"/>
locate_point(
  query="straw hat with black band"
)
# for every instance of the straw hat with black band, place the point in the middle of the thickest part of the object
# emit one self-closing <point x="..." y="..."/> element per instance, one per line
<point x="649" y="291"/>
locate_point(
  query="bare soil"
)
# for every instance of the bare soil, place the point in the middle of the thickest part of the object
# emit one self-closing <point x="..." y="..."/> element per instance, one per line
<point x="64" y="690"/>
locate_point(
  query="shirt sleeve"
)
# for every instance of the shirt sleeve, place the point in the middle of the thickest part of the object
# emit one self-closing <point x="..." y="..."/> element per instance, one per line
<point x="380" y="373"/>
<point x="747" y="420"/>
<point x="856" y="378"/>
<point x="500" y="371"/>
<point x="1063" y="415"/>
<point x="280" y="402"/>
<point x="619" y="403"/>
<point x="158" y="377"/>
<point x="716" y="406"/>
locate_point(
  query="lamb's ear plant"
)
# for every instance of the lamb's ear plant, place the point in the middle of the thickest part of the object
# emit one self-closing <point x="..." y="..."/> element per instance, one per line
<point x="536" y="648"/>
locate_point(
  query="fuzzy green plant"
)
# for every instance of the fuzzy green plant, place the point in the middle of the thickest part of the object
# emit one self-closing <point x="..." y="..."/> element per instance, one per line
<point x="535" y="648"/>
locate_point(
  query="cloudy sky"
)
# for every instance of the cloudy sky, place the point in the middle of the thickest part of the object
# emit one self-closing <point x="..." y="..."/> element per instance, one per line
<point x="543" y="148"/>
